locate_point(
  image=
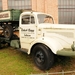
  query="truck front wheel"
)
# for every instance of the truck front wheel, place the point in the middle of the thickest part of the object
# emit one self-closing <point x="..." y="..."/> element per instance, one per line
<point x="43" y="57"/>
<point x="8" y="31"/>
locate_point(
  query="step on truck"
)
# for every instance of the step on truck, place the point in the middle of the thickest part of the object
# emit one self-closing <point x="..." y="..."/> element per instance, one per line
<point x="38" y="35"/>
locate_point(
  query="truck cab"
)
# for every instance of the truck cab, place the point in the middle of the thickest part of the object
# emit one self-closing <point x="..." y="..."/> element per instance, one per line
<point x="30" y="32"/>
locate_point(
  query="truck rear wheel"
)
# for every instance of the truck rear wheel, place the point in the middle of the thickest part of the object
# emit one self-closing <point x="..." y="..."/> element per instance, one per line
<point x="8" y="31"/>
<point x="43" y="57"/>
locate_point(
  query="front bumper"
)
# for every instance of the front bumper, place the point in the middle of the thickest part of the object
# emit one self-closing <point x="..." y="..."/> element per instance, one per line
<point x="66" y="52"/>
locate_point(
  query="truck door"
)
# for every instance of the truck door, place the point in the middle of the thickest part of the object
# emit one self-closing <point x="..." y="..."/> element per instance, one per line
<point x="27" y="30"/>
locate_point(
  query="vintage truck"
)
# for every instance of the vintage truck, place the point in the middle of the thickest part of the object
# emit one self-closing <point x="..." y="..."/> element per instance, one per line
<point x="38" y="35"/>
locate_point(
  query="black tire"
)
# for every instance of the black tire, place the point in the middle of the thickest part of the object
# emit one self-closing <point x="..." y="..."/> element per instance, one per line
<point x="43" y="57"/>
<point x="8" y="31"/>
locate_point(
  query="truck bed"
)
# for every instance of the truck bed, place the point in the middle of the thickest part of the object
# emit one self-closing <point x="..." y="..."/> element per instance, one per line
<point x="10" y="15"/>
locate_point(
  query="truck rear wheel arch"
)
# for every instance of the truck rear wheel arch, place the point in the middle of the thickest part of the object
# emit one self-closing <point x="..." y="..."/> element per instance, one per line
<point x="42" y="56"/>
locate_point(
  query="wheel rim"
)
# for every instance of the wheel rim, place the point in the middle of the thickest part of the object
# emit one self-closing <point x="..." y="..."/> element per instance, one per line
<point x="39" y="57"/>
<point x="7" y="32"/>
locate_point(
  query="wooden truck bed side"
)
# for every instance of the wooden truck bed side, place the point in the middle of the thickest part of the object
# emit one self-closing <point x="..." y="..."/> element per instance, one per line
<point x="10" y="15"/>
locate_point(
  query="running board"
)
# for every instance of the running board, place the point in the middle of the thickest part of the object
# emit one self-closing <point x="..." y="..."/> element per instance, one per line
<point x="23" y="50"/>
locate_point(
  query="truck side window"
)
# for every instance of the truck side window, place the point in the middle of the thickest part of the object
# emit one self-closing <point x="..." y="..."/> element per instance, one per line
<point x="27" y="19"/>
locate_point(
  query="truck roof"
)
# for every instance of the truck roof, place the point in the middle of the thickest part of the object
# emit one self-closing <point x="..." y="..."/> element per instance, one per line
<point x="34" y="12"/>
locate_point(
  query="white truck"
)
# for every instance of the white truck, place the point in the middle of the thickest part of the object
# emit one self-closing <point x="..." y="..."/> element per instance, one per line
<point x="39" y="36"/>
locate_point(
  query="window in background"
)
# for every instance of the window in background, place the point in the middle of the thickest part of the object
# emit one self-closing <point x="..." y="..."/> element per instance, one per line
<point x="66" y="10"/>
<point x="0" y="4"/>
<point x="19" y="4"/>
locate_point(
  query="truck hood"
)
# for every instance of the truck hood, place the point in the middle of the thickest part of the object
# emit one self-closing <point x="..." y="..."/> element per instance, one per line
<point x="64" y="26"/>
<point x="62" y="33"/>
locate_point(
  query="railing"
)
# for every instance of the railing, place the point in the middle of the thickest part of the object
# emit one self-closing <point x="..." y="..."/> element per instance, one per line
<point x="58" y="73"/>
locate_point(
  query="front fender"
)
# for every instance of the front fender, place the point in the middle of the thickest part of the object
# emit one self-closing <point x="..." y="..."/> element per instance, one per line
<point x="53" y="44"/>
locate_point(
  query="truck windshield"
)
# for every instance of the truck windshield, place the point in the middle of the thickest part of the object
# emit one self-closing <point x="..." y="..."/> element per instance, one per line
<point x="43" y="18"/>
